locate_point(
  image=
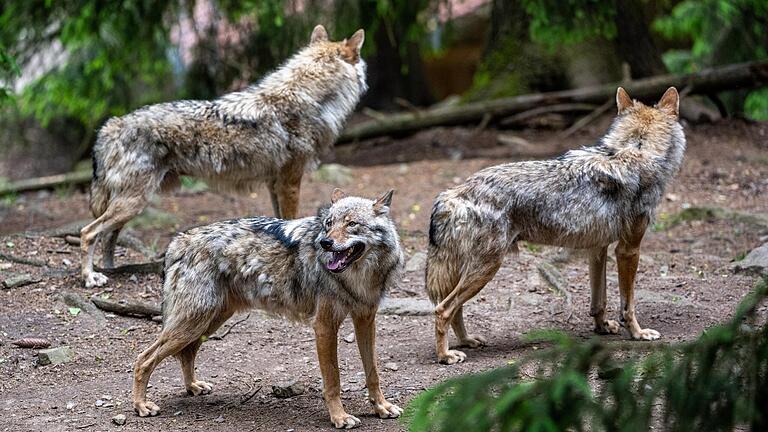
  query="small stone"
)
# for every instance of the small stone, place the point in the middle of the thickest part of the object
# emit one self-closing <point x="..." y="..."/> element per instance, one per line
<point x="417" y="262"/>
<point x="71" y="405"/>
<point x="391" y="366"/>
<point x="66" y="262"/>
<point x="219" y="419"/>
<point x="288" y="389"/>
<point x="119" y="419"/>
<point x="99" y="403"/>
<point x="5" y="266"/>
<point x="756" y="262"/>
<point x="333" y="173"/>
<point x="54" y="356"/>
<point x="21" y="280"/>
<point x="406" y="307"/>
<point x="349" y="338"/>
<point x="133" y="278"/>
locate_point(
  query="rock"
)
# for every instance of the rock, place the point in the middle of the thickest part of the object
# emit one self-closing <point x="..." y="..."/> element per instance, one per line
<point x="530" y="298"/>
<point x="417" y="262"/>
<point x="76" y="301"/>
<point x="406" y="307"/>
<point x="54" y="356"/>
<point x="5" y="266"/>
<point x="553" y="277"/>
<point x="349" y="338"/>
<point x="219" y="419"/>
<point x="391" y="366"/>
<point x="119" y="419"/>
<point x="289" y="389"/>
<point x="333" y="173"/>
<point x="756" y="262"/>
<point x="133" y="278"/>
<point x="20" y="280"/>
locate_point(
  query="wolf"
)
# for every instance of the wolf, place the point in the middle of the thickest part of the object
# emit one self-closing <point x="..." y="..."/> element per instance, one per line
<point x="270" y="133"/>
<point x="317" y="269"/>
<point x="585" y="199"/>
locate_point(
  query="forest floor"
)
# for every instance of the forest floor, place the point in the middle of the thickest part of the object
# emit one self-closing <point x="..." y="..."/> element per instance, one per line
<point x="685" y="285"/>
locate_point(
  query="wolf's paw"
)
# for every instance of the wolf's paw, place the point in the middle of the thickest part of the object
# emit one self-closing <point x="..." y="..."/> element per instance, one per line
<point x="345" y="421"/>
<point x="95" y="279"/>
<point x="472" y="342"/>
<point x="647" y="334"/>
<point x="197" y="388"/>
<point x="146" y="409"/>
<point x="387" y="410"/>
<point x="452" y="357"/>
<point x="608" y="327"/>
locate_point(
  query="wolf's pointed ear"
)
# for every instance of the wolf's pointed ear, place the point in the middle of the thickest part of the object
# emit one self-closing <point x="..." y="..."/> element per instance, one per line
<point x="336" y="195"/>
<point x="623" y="101"/>
<point x="355" y="42"/>
<point x="381" y="205"/>
<point x="670" y="102"/>
<point x="318" y="35"/>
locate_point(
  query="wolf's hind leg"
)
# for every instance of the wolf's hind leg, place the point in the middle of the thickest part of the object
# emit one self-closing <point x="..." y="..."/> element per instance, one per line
<point x="119" y="211"/>
<point x="465" y="340"/>
<point x="597" y="261"/>
<point x="469" y="285"/>
<point x="627" y="258"/>
<point x="108" y="247"/>
<point x="187" y="357"/>
<point x="169" y="343"/>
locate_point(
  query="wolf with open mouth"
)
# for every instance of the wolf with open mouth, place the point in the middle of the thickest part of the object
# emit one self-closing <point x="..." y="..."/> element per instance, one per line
<point x="318" y="269"/>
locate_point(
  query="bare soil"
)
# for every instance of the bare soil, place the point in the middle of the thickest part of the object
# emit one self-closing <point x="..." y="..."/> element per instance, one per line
<point x="684" y="285"/>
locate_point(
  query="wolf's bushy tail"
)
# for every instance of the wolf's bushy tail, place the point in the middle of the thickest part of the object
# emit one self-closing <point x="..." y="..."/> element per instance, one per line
<point x="442" y="269"/>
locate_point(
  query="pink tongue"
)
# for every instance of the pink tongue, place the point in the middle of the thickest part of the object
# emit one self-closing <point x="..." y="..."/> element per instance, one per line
<point x="336" y="261"/>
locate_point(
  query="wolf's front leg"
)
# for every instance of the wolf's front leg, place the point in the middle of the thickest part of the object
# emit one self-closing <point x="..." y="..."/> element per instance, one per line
<point x="326" y="338"/>
<point x="365" y="332"/>
<point x="627" y="258"/>
<point x="597" y="260"/>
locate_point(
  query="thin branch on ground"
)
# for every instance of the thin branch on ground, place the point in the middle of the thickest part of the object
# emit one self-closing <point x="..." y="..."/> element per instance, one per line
<point x="223" y="335"/>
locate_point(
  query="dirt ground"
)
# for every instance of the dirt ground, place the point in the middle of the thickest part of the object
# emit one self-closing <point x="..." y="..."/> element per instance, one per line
<point x="685" y="285"/>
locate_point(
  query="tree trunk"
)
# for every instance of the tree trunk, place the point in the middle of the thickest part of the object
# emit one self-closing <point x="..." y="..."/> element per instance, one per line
<point x="634" y="43"/>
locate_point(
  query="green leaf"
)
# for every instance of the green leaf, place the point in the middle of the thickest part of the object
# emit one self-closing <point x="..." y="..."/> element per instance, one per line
<point x="74" y="311"/>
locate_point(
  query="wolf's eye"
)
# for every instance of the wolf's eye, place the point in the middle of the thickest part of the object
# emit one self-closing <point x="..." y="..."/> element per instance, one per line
<point x="351" y="224"/>
<point x="328" y="223"/>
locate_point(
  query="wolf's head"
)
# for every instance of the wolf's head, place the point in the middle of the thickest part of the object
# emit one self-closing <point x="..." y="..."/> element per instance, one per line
<point x="654" y="130"/>
<point x="345" y="52"/>
<point x="357" y="231"/>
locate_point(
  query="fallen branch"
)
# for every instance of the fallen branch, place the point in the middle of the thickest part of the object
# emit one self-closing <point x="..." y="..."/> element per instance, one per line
<point x="735" y="76"/>
<point x="532" y="113"/>
<point x="155" y="267"/>
<point x="223" y="335"/>
<point x="589" y="118"/>
<point x="126" y="308"/>
<point x="21" y="260"/>
<point x="47" y="182"/>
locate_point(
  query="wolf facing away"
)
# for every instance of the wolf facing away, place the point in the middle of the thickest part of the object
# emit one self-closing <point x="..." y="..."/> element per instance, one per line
<point x="585" y="199"/>
<point x="319" y="269"/>
<point x="270" y="133"/>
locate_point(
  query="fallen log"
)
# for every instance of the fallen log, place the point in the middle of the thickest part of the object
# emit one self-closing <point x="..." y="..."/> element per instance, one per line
<point x="127" y="308"/>
<point x="730" y="77"/>
<point x="71" y="178"/>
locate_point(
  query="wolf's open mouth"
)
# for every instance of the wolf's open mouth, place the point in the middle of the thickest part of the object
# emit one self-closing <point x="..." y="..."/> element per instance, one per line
<point x="342" y="259"/>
